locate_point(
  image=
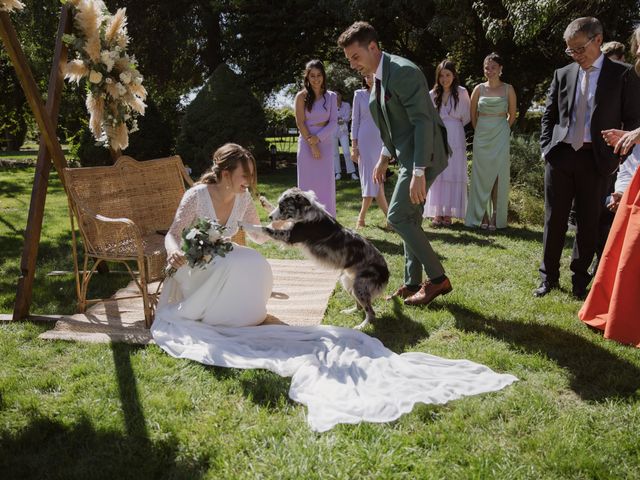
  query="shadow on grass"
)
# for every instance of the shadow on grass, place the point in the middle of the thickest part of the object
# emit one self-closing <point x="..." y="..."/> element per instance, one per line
<point x="11" y="189"/>
<point x="596" y="374"/>
<point x="266" y="388"/>
<point x="49" y="448"/>
<point x="398" y="331"/>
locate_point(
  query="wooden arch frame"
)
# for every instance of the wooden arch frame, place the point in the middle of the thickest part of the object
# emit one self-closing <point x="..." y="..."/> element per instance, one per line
<point x="49" y="152"/>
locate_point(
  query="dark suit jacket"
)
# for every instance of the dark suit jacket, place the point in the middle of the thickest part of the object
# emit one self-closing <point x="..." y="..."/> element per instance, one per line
<point x="412" y="131"/>
<point x="616" y="105"/>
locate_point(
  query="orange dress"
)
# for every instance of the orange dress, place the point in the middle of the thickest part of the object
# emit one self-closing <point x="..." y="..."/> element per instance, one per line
<point x="613" y="304"/>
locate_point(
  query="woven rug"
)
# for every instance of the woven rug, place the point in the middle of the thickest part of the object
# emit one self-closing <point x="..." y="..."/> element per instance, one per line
<point x="301" y="291"/>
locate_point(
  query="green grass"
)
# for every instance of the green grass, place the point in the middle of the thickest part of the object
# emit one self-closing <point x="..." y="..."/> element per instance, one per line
<point x="71" y="410"/>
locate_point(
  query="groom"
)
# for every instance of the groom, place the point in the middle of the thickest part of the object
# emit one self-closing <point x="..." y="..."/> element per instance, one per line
<point x="412" y="131"/>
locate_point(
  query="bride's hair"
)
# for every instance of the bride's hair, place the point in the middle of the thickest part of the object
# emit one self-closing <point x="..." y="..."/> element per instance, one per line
<point x="227" y="158"/>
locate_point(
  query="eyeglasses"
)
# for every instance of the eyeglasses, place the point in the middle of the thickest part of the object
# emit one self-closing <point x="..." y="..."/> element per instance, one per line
<point x="580" y="50"/>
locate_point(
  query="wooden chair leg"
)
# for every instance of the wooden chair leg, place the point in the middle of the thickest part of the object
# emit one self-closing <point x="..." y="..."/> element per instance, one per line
<point x="144" y="290"/>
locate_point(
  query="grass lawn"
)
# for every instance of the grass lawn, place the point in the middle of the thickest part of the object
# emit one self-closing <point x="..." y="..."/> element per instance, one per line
<point x="71" y="410"/>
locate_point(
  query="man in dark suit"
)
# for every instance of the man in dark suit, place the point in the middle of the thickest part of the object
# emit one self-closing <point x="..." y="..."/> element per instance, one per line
<point x="588" y="96"/>
<point x="413" y="134"/>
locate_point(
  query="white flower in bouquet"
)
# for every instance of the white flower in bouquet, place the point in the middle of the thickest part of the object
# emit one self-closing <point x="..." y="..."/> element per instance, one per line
<point x="107" y="60"/>
<point x="192" y="234"/>
<point x="95" y="77"/>
<point x="125" y="77"/>
<point x="214" y="234"/>
<point x="121" y="88"/>
<point x="109" y="80"/>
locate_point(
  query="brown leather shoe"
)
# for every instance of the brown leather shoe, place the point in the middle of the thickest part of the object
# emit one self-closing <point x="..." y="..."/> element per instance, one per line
<point x="428" y="292"/>
<point x="403" y="292"/>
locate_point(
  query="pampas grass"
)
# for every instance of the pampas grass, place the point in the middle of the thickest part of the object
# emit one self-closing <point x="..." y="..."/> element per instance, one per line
<point x="75" y="70"/>
<point x="10" y="5"/>
<point x="115" y="26"/>
<point x="95" y="106"/>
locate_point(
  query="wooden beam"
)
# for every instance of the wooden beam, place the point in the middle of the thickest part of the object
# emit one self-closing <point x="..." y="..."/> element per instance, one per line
<point x="41" y="179"/>
<point x="19" y="61"/>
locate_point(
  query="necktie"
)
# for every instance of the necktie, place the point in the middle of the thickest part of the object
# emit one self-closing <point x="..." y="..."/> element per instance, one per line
<point x="581" y="111"/>
<point x="378" y="88"/>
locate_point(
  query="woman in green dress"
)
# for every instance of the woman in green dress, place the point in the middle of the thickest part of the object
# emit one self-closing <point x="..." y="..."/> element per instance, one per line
<point x="493" y="111"/>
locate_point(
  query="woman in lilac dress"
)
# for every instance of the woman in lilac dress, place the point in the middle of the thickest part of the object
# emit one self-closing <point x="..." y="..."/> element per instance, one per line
<point x="366" y="144"/>
<point x="317" y="121"/>
<point x="447" y="197"/>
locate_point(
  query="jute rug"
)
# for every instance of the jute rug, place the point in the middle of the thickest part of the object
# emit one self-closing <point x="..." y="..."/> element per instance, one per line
<point x="301" y="291"/>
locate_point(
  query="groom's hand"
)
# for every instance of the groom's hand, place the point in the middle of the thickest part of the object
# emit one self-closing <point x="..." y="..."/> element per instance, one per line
<point x="418" y="189"/>
<point x="380" y="170"/>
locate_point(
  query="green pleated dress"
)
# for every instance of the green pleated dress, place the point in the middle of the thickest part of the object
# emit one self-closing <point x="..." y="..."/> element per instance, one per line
<point x="491" y="159"/>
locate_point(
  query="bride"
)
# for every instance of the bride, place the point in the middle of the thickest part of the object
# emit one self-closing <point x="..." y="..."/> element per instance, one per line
<point x="342" y="375"/>
<point x="232" y="290"/>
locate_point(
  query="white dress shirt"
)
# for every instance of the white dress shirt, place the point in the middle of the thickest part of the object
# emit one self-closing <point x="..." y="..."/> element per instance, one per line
<point x="594" y="75"/>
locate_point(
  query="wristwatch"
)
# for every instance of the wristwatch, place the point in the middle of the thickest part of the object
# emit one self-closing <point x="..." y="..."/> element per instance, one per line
<point x="418" y="172"/>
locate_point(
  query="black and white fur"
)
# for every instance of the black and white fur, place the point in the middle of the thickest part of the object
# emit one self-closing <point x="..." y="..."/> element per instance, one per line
<point x="364" y="270"/>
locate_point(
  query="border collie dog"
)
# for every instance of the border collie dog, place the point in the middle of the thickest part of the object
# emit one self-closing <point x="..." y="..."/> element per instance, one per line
<point x="364" y="270"/>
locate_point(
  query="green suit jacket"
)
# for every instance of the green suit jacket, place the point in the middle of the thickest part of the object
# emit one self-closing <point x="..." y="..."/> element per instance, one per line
<point x="410" y="126"/>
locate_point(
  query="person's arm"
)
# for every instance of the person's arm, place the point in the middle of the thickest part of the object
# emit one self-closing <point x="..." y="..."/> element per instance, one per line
<point x="251" y="217"/>
<point x="301" y="116"/>
<point x="355" y="126"/>
<point x="512" y="101"/>
<point x="551" y="113"/>
<point x="184" y="217"/>
<point x="464" y="106"/>
<point x="473" y="107"/>
<point x="329" y="130"/>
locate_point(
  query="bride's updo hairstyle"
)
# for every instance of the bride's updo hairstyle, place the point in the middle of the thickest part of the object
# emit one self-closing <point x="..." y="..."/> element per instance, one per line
<point x="227" y="158"/>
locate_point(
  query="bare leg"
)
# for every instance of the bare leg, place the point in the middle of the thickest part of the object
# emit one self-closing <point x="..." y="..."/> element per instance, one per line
<point x="382" y="201"/>
<point x="366" y="203"/>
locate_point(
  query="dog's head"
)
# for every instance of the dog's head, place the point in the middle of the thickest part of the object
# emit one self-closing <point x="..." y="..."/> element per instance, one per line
<point x="295" y="204"/>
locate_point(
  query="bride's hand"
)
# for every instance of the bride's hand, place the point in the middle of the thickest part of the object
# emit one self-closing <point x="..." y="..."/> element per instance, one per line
<point x="176" y="259"/>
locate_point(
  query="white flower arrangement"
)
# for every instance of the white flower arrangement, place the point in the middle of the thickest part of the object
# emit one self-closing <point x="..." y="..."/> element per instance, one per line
<point x="10" y="5"/>
<point x="115" y="95"/>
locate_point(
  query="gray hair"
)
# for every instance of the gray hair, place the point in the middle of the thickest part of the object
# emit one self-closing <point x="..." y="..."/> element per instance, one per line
<point x="590" y="26"/>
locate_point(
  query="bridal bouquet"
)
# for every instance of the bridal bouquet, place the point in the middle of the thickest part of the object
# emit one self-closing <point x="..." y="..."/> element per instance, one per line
<point x="201" y="242"/>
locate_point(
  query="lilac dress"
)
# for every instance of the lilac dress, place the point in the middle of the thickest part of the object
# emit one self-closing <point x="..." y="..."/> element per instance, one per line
<point x="365" y="131"/>
<point x="317" y="173"/>
<point x="448" y="194"/>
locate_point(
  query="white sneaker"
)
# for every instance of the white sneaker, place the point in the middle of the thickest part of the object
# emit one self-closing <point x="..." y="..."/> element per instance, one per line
<point x="338" y="176"/>
<point x="354" y="176"/>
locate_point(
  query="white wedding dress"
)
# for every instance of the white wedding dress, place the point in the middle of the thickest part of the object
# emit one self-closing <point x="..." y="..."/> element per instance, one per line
<point x="341" y="375"/>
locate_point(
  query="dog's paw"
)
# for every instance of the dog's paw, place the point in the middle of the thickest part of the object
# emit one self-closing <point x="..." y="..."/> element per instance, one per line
<point x="349" y="311"/>
<point x="281" y="225"/>
<point x="362" y="325"/>
<point x="265" y="203"/>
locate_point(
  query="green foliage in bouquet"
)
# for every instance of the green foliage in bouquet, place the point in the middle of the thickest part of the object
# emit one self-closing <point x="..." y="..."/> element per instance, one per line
<point x="202" y="242"/>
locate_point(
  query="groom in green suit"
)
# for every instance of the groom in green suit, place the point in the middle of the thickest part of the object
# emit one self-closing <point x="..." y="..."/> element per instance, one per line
<point x="413" y="133"/>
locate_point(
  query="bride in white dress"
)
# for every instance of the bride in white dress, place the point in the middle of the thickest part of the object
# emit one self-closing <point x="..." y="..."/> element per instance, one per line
<point x="341" y="375"/>
<point x="232" y="290"/>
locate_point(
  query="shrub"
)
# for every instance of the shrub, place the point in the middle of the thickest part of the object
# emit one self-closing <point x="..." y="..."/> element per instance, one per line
<point x="527" y="180"/>
<point x="224" y="111"/>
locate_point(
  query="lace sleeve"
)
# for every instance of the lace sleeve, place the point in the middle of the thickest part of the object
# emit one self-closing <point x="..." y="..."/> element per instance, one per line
<point x="250" y="215"/>
<point x="186" y="214"/>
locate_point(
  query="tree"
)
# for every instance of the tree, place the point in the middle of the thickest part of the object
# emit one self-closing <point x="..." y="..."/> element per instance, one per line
<point x="225" y="110"/>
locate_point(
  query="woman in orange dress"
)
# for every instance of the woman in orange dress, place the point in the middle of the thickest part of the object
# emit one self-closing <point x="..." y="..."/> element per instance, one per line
<point x="613" y="304"/>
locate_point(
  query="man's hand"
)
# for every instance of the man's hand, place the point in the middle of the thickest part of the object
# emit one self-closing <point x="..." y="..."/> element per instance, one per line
<point x="615" y="201"/>
<point x="418" y="189"/>
<point x="380" y="170"/>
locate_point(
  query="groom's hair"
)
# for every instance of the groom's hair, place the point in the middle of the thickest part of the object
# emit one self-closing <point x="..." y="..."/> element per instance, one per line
<point x="361" y="32"/>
